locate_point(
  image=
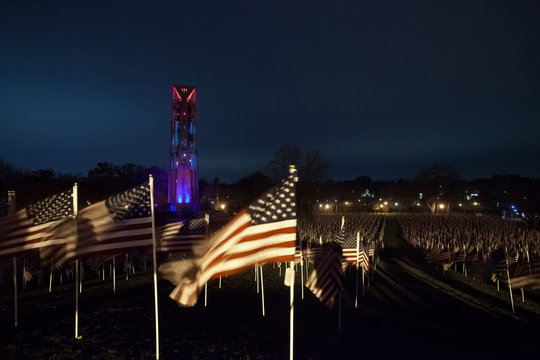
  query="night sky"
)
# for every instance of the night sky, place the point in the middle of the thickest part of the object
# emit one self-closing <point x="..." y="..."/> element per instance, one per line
<point x="381" y="88"/>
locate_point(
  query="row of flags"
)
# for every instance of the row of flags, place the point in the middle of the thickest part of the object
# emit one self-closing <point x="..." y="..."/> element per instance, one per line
<point x="520" y="270"/>
<point x="53" y="227"/>
<point x="263" y="233"/>
<point x="118" y="224"/>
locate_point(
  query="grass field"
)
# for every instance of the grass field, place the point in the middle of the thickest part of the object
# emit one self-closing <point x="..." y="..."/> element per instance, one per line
<point x="409" y="311"/>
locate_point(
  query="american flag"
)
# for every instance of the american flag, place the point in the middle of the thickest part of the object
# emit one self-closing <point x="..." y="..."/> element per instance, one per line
<point x="349" y="248"/>
<point x="352" y="255"/>
<point x="371" y="249"/>
<point x="37" y="226"/>
<point x="298" y="256"/>
<point x="527" y="274"/>
<point x="436" y="255"/>
<point x="363" y="259"/>
<point x="181" y="235"/>
<point x="326" y="279"/>
<point x="263" y="233"/>
<point x="119" y="223"/>
<point x="499" y="270"/>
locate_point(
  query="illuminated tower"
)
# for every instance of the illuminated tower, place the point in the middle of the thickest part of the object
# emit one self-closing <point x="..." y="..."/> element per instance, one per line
<point x="183" y="167"/>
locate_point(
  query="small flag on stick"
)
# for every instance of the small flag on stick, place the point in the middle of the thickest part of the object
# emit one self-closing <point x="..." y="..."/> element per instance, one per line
<point x="326" y="279"/>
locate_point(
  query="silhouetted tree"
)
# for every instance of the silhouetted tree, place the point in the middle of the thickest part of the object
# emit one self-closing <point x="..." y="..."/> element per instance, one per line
<point x="286" y="155"/>
<point x="438" y="182"/>
<point x="43" y="174"/>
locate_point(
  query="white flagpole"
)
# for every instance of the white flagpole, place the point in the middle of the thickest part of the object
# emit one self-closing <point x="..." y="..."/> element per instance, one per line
<point x="301" y="271"/>
<point x="291" y="335"/>
<point x="75" y="214"/>
<point x="114" y="274"/>
<point x="257" y="277"/>
<point x="81" y="278"/>
<point x="357" y="260"/>
<point x="529" y="264"/>
<point x="291" y="343"/>
<point x="15" y="290"/>
<point x="510" y="289"/>
<point x="151" y="182"/>
<point x="24" y="274"/>
<point x="363" y="285"/>
<point x="11" y="210"/>
<point x="206" y="230"/>
<point x="50" y="277"/>
<point x="508" y="278"/>
<point x="262" y="290"/>
<point x="76" y="299"/>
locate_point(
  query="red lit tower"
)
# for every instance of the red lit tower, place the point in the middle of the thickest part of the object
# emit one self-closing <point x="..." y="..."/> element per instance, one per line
<point x="183" y="167"/>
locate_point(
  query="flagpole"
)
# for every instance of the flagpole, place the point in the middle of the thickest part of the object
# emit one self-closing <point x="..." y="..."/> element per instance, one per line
<point x="76" y="299"/>
<point x="114" y="274"/>
<point x="15" y="290"/>
<point x="151" y="182"/>
<point x="508" y="277"/>
<point x="262" y="290"/>
<point x="292" y="170"/>
<point x="357" y="260"/>
<point x="257" y="277"/>
<point x="205" y="294"/>
<point x="75" y="214"/>
<point x="291" y="344"/>
<point x="81" y="277"/>
<point x="363" y="285"/>
<point x="206" y="230"/>
<point x="24" y="274"/>
<point x="11" y="210"/>
<point x="50" y="277"/>
<point x="301" y="271"/>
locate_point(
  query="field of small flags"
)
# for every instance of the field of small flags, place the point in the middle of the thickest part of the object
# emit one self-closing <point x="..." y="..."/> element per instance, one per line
<point x="83" y="283"/>
<point x="396" y="310"/>
<point x="487" y="249"/>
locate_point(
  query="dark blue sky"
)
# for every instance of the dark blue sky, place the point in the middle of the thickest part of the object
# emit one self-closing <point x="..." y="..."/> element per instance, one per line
<point x="381" y="88"/>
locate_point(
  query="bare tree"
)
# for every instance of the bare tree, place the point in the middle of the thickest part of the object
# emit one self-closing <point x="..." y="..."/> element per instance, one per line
<point x="315" y="167"/>
<point x="286" y="155"/>
<point x="438" y="181"/>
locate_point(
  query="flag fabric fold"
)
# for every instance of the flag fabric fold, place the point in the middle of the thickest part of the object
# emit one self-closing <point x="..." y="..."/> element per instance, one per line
<point x="181" y="236"/>
<point x="326" y="279"/>
<point x="37" y="226"/>
<point x="122" y="222"/>
<point x="265" y="232"/>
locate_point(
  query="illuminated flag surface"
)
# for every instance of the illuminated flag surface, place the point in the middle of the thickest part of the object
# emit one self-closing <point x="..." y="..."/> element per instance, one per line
<point x="36" y="226"/>
<point x="181" y="235"/>
<point x="265" y="232"/>
<point x="120" y="223"/>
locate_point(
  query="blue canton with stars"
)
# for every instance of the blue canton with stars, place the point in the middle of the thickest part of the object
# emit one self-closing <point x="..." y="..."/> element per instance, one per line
<point x="277" y="204"/>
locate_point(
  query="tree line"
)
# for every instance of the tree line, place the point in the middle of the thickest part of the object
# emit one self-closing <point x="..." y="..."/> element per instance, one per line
<point x="436" y="188"/>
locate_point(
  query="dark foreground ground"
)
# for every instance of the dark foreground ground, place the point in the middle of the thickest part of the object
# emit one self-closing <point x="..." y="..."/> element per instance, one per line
<point x="410" y="311"/>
